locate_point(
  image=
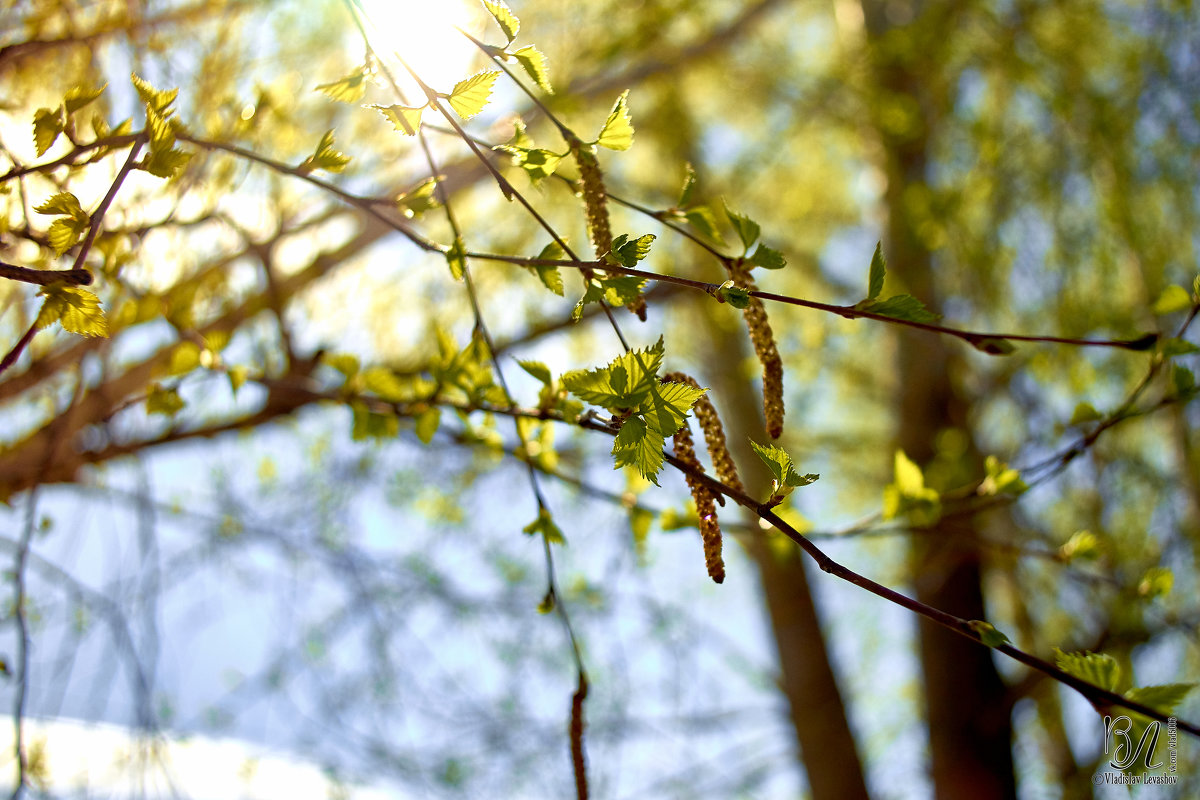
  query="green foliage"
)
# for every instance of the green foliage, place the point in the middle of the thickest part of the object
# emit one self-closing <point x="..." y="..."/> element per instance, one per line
<point x="406" y="119"/>
<point x="349" y="89"/>
<point x="543" y="525"/>
<point x="456" y="259"/>
<point x="626" y="252"/>
<point x="1173" y="298"/>
<point x="784" y="476"/>
<point x="908" y="494"/>
<point x="76" y="308"/>
<point x="419" y="199"/>
<point x="651" y="411"/>
<point x="163" y="401"/>
<point x="549" y="275"/>
<point x="1095" y="668"/>
<point x="326" y="157"/>
<point x="1001" y="479"/>
<point x="617" y="133"/>
<point x="471" y="95"/>
<point x="906" y="307"/>
<point x="987" y="633"/>
<point x="878" y="272"/>
<point x="534" y="63"/>
<point x="164" y="159"/>
<point x="47" y="125"/>
<point x="616" y="291"/>
<point x="505" y="18"/>
<point x="65" y="233"/>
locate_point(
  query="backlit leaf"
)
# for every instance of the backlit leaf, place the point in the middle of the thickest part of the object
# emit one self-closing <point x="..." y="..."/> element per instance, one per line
<point x="747" y="229"/>
<point x="47" y="125"/>
<point x="1095" y="668"/>
<point x="163" y="401"/>
<point x="544" y="526"/>
<point x="326" y="157"/>
<point x="901" y="306"/>
<point x="504" y="16"/>
<point x="534" y="63"/>
<point x="469" y="96"/>
<point x="79" y="96"/>
<point x="349" y="89"/>
<point x="638" y="446"/>
<point x="76" y="308"/>
<point x="1173" y="298"/>
<point x="767" y="258"/>
<point x="406" y="119"/>
<point x="456" y="259"/>
<point x="878" y="272"/>
<point x="617" y="133"/>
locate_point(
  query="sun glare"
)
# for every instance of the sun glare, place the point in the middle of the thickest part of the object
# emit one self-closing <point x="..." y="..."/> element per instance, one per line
<point x="422" y="33"/>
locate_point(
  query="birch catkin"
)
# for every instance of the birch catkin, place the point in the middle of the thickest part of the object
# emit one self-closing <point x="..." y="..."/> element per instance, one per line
<point x="706" y="507"/>
<point x="714" y="433"/>
<point x="595" y="203"/>
<point x="764" y="346"/>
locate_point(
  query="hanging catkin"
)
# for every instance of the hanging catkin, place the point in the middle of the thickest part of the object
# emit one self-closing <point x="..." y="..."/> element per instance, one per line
<point x="595" y="203"/>
<point x="706" y="507"/>
<point x="764" y="345"/>
<point x="714" y="433"/>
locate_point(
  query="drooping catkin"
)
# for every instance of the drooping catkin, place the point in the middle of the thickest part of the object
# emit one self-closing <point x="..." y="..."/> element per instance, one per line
<point x="764" y="346"/>
<point x="706" y="507"/>
<point x="714" y="433"/>
<point x="595" y="203"/>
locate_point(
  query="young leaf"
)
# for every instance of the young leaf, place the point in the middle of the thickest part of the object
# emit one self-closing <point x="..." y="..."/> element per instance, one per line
<point x="1177" y="347"/>
<point x="405" y="119"/>
<point x="624" y="383"/>
<point x="736" y="296"/>
<point x="155" y="100"/>
<point x="163" y="401"/>
<point x="1164" y="698"/>
<point x="689" y="183"/>
<point x="47" y="125"/>
<point x="666" y="406"/>
<point x="1095" y="668"/>
<point x="237" y="377"/>
<point x="538" y="164"/>
<point x="747" y="229"/>
<point x="901" y="306"/>
<point x="908" y="494"/>
<point x="470" y="95"/>
<point x="1001" y="479"/>
<point x="617" y="133"/>
<point x="1084" y="412"/>
<point x="638" y="446"/>
<point x="782" y="471"/>
<point x="544" y="526"/>
<point x="62" y="203"/>
<point x="993" y="345"/>
<point x="549" y="275"/>
<point x="628" y="253"/>
<point x="538" y="370"/>
<point x="372" y="425"/>
<point x="325" y="156"/>
<point x="1173" y="298"/>
<point x="167" y="163"/>
<point x="767" y="258"/>
<point x="878" y="272"/>
<point x="703" y="220"/>
<point x="456" y="258"/>
<point x="349" y="89"/>
<point x="427" y="423"/>
<point x="504" y="16"/>
<point x="534" y="63"/>
<point x="987" y="633"/>
<point x="79" y="96"/>
<point x="419" y="199"/>
<point x="76" y="308"/>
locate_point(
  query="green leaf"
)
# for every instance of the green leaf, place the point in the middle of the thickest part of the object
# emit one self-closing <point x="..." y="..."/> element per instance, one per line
<point x="163" y="401"/>
<point x="1177" y="347"/>
<point x="371" y="425"/>
<point x="689" y="184"/>
<point x="547" y="603"/>
<point x="1084" y="413"/>
<point x="1001" y="479"/>
<point x="534" y="63"/>
<point x="628" y="253"/>
<point x="1156" y="582"/>
<point x="155" y="100"/>
<point x="62" y="203"/>
<point x="638" y="446"/>
<point x="537" y="163"/>
<point x="1095" y="668"/>
<point x="550" y="277"/>
<point x="747" y="229"/>
<point x="457" y="259"/>
<point x="470" y="95"/>
<point x="349" y="89"/>
<point x="1183" y="380"/>
<point x="76" y="308"/>
<point x="623" y="384"/>
<point x="1082" y="544"/>
<point x="79" y="96"/>
<point x="184" y="358"/>
<point x="427" y="423"/>
<point x="169" y="163"/>
<point x="901" y="306"/>
<point x="504" y="17"/>
<point x="385" y="384"/>
<point x="325" y="156"/>
<point x="783" y="472"/>
<point x="666" y="406"/>
<point x="538" y="370"/>
<point x="1173" y="298"/>
<point x="47" y="125"/>
<point x="878" y="272"/>
<point x="1162" y="698"/>
<point x="421" y="198"/>
<point x="908" y="494"/>
<point x="617" y="133"/>
<point x="65" y="234"/>
<point x="736" y="296"/>
<point x="703" y="220"/>
<point x="544" y="526"/>
<point x="616" y="291"/>
<point x="767" y="258"/>
<point x="987" y="633"/>
<point x="406" y="119"/>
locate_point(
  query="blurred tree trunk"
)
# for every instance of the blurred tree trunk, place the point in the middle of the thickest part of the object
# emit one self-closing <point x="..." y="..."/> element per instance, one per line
<point x="967" y="707"/>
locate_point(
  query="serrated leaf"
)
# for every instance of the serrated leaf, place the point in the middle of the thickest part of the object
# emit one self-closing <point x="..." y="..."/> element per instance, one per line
<point x="456" y="259"/>
<point x="767" y="258"/>
<point x="1164" y="697"/>
<point x="537" y="369"/>
<point x="427" y="423"/>
<point x="169" y="163"/>
<point x="537" y="163"/>
<point x="1084" y="412"/>
<point x="624" y="383"/>
<point x="504" y="17"/>
<point x="62" y="203"/>
<point x="689" y="184"/>
<point x="987" y="633"/>
<point x="154" y="99"/>
<point x="65" y="234"/>
<point x="736" y="296"/>
<point x="79" y="96"/>
<point x="628" y="253"/>
<point x="325" y="157"/>
<point x="878" y="272"/>
<point x="76" y="308"/>
<point x="1173" y="298"/>
<point x="349" y="89"/>
<point x="666" y="406"/>
<point x="544" y="526"/>
<point x="1095" y="668"/>
<point x="638" y="446"/>
<point x="406" y="119"/>
<point x="616" y="291"/>
<point x="534" y="63"/>
<point x="703" y="220"/>
<point x="163" y="401"/>
<point x="550" y="277"/>
<point x="47" y="125"/>
<point x="901" y="306"/>
<point x="617" y="133"/>
<point x="780" y="463"/>
<point x="747" y="229"/>
<point x="470" y="95"/>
